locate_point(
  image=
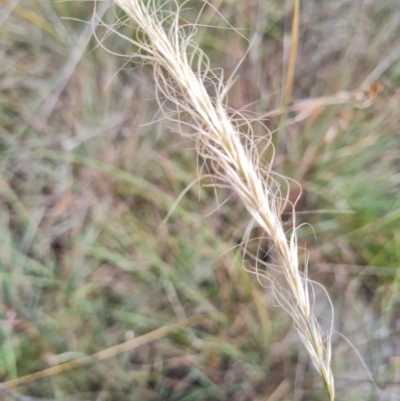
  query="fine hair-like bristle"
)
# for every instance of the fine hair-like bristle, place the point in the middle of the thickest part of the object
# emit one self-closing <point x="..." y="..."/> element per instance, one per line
<point x="225" y="139"/>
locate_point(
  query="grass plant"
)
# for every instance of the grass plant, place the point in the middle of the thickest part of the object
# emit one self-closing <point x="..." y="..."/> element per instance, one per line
<point x="182" y="74"/>
<point x="90" y="271"/>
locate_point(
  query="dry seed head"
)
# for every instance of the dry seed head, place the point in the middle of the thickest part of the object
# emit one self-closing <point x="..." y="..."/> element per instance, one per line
<point x="225" y="138"/>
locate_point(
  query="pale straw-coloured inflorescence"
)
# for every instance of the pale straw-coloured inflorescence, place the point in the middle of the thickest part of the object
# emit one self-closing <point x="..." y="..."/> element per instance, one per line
<point x="223" y="137"/>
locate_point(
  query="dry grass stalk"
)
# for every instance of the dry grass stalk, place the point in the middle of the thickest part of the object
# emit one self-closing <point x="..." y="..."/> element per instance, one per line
<point x="182" y="74"/>
<point x="99" y="356"/>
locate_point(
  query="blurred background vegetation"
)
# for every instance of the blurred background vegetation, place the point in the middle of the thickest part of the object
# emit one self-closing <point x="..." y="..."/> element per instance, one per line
<point x="86" y="182"/>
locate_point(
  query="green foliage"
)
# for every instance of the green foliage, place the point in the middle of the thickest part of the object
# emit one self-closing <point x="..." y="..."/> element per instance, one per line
<point x="85" y="186"/>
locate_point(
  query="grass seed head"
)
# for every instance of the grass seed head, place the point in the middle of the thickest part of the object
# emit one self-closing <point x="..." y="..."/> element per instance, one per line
<point x="182" y="73"/>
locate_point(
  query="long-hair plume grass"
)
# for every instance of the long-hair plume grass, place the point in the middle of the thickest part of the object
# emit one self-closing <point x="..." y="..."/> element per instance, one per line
<point x="225" y="139"/>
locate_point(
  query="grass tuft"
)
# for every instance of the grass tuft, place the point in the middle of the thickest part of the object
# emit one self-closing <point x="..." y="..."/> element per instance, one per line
<point x="112" y="228"/>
